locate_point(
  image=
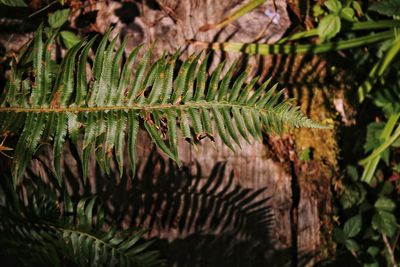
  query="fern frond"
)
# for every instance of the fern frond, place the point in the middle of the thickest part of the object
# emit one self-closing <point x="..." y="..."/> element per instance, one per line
<point x="41" y="234"/>
<point x="59" y="104"/>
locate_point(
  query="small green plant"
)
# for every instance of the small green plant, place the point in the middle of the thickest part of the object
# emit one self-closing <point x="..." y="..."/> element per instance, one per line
<point x="330" y="25"/>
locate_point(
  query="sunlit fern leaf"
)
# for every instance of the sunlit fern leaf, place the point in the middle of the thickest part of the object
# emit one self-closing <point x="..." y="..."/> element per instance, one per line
<point x="117" y="98"/>
<point x="41" y="234"/>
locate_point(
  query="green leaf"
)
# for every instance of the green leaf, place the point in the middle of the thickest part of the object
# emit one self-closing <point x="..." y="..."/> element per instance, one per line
<point x="352" y="226"/>
<point x="373" y="251"/>
<point x="373" y="139"/>
<point x="385" y="204"/>
<point x="333" y="5"/>
<point x="14" y="3"/>
<point x="384" y="222"/>
<point x="351" y="245"/>
<point x="347" y="13"/>
<point x="58" y="18"/>
<point x="59" y="140"/>
<point x="329" y="27"/>
<point x="354" y="194"/>
<point x="386" y="7"/>
<point x="70" y="39"/>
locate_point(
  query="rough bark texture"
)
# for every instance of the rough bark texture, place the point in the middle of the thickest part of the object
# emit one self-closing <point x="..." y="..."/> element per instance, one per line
<point x="297" y="186"/>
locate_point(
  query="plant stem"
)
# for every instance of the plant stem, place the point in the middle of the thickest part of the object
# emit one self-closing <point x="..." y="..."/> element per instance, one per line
<point x="265" y="49"/>
<point x="371" y="162"/>
<point x="378" y="69"/>
<point x="357" y="26"/>
<point x="389" y="248"/>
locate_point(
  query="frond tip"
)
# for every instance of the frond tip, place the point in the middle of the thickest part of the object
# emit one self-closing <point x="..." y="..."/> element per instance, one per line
<point x="57" y="102"/>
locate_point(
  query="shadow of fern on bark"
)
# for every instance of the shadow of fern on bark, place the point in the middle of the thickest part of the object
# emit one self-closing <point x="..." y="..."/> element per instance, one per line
<point x="198" y="219"/>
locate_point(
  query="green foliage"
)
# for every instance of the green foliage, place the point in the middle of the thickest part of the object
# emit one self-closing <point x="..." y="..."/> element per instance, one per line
<point x="384" y="220"/>
<point x="58" y="18"/>
<point x="330" y="25"/>
<point x="69" y="39"/>
<point x="50" y="102"/>
<point x="351" y="228"/>
<point x="58" y="104"/>
<point x="386" y="7"/>
<point x="41" y="233"/>
<point x="13" y="3"/>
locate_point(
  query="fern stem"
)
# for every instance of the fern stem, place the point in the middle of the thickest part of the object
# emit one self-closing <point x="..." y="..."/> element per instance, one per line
<point x="185" y="106"/>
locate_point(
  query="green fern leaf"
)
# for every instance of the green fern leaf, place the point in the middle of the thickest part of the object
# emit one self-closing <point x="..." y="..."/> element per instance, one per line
<point x="116" y="98"/>
<point x="41" y="235"/>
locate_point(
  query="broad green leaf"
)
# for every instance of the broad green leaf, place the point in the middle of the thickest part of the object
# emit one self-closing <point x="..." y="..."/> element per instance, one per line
<point x="58" y="18"/>
<point x="328" y="27"/>
<point x="352" y="226"/>
<point x="354" y="194"/>
<point x="384" y="222"/>
<point x="386" y="204"/>
<point x="333" y="5"/>
<point x="347" y="13"/>
<point x="69" y="38"/>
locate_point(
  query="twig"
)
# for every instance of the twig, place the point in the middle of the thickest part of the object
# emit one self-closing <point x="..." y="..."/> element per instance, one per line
<point x="389" y="248"/>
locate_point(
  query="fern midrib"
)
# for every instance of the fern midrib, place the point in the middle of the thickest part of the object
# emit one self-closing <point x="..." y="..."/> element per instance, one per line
<point x="92" y="237"/>
<point x="65" y="230"/>
<point x="145" y="107"/>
